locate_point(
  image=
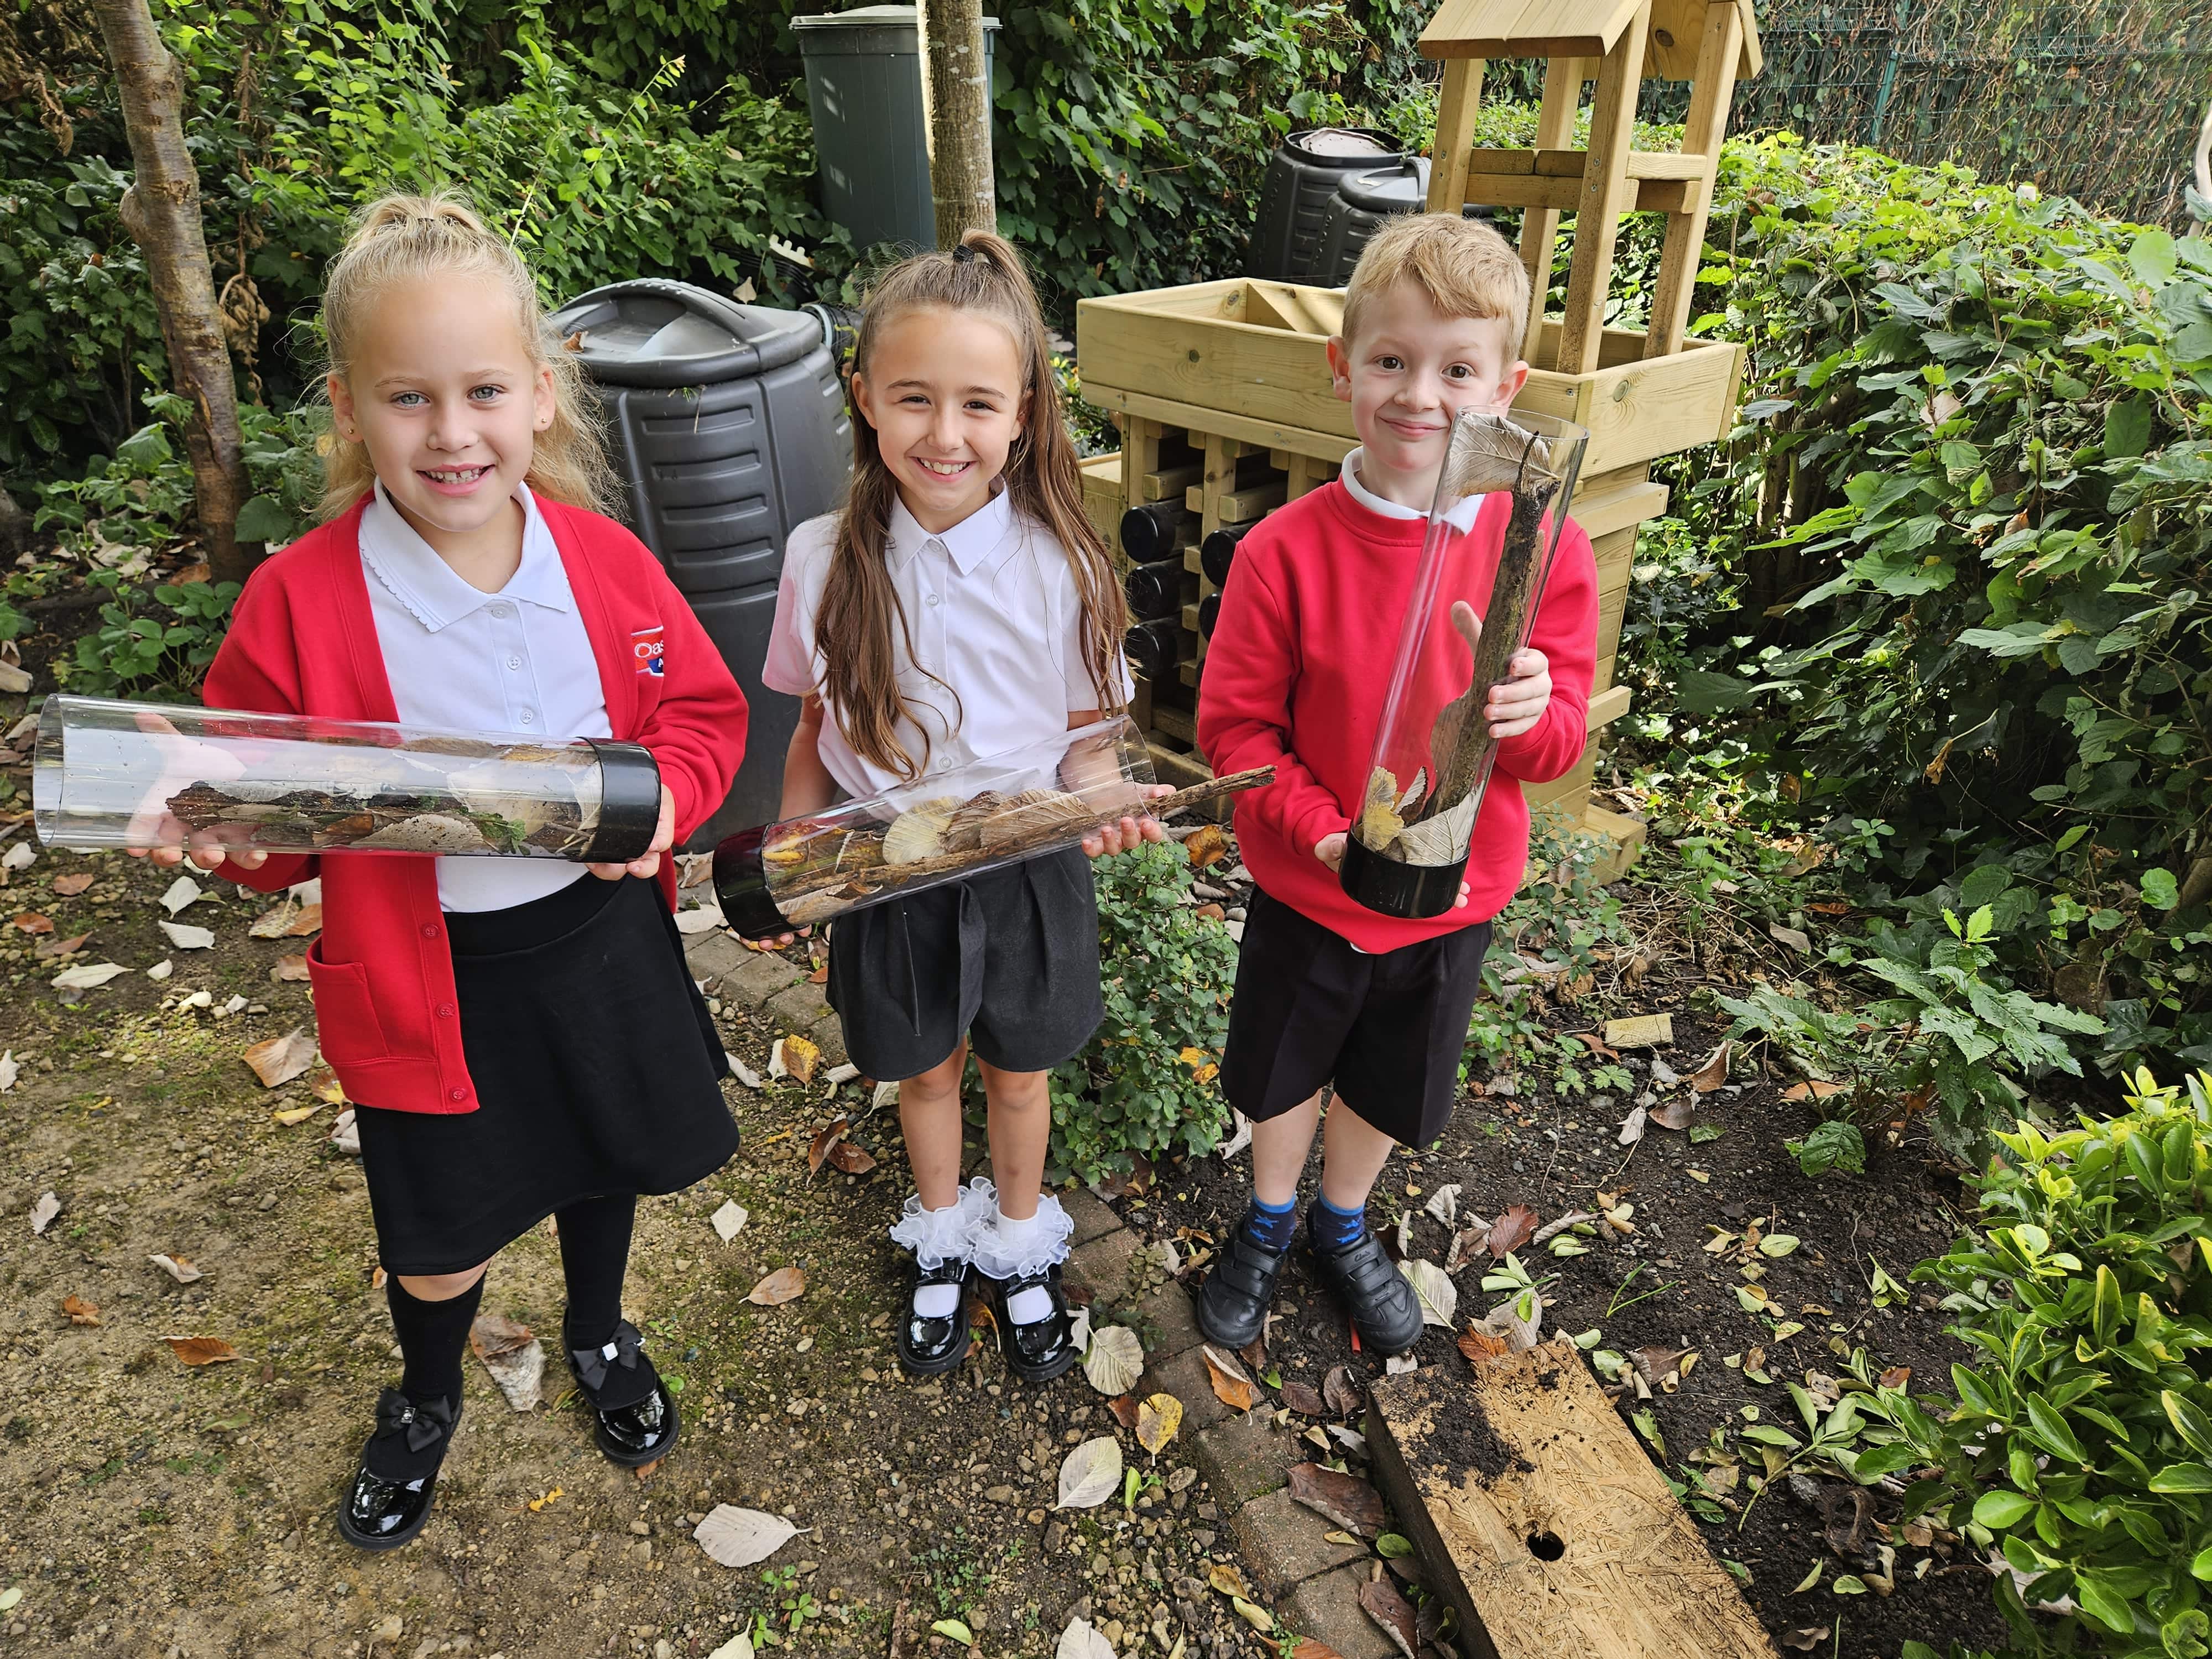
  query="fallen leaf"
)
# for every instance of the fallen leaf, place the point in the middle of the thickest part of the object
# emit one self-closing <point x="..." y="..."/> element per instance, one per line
<point x="1206" y="845"/>
<point x="1238" y="1141"/>
<point x="703" y="918"/>
<point x="21" y="856"/>
<point x="1511" y="1229"/>
<point x="160" y="971"/>
<point x="1844" y="1512"/>
<point x="728" y="1221"/>
<point x="1896" y="1376"/>
<point x="274" y="922"/>
<point x="1344" y="1498"/>
<point x="514" y="1357"/>
<point x="1115" y="1359"/>
<point x="1677" y="1113"/>
<point x="1226" y="1580"/>
<point x="44" y="1211"/>
<point x="1230" y="1385"/>
<point x="841" y="1073"/>
<point x="953" y="1630"/>
<point x="1444" y="1203"/>
<point x="1301" y="1398"/>
<point x="86" y="975"/>
<point x="538" y="1503"/>
<point x="825" y="1138"/>
<point x="1656" y="1365"/>
<point x="778" y="1287"/>
<point x="851" y="1159"/>
<point x="743" y="1072"/>
<point x="1791" y="936"/>
<point x="793" y="1057"/>
<point x="326" y="1085"/>
<point x="1478" y="1343"/>
<point x="1080" y="1641"/>
<point x="186" y="937"/>
<point x="182" y="891"/>
<point x="1090" y="1474"/>
<point x="1124" y="1407"/>
<point x="740" y="1646"/>
<point x="31" y="923"/>
<point x="1344" y="1396"/>
<point x="1433" y="1289"/>
<point x="1380" y="1597"/>
<point x="202" y="1350"/>
<point x="80" y="1311"/>
<point x="737" y="1538"/>
<point x="1714" y="1073"/>
<point x="292" y="970"/>
<point x="1632" y="1127"/>
<point x="9" y="1070"/>
<point x="297" y="1114"/>
<point x="1310" y="1648"/>
<point x="71" y="886"/>
<point x="176" y="1267"/>
<point x="1640" y="1031"/>
<point x="345" y="1133"/>
<point x="1253" y="1614"/>
<point x="277" y="1060"/>
<point x="1158" y="1416"/>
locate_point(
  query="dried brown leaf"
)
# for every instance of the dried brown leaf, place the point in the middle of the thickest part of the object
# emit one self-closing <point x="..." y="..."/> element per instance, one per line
<point x="828" y="1135"/>
<point x="1207" y="845"/>
<point x="1302" y="1399"/>
<point x="778" y="1287"/>
<point x="1676" y="1114"/>
<point x="178" y="1267"/>
<point x="1715" y="1072"/>
<point x="71" y="886"/>
<point x="1226" y="1580"/>
<point x="1479" y="1345"/>
<point x="1310" y="1648"/>
<point x="1512" y="1230"/>
<point x="277" y="1060"/>
<point x="800" y="1057"/>
<point x="1655" y="1364"/>
<point x="1124" y="1407"/>
<point x="32" y="922"/>
<point x="49" y="949"/>
<point x="1343" y="1395"/>
<point x="1897" y="1376"/>
<point x="308" y="920"/>
<point x="1345" y="1499"/>
<point x="1807" y="1638"/>
<point x="80" y="1311"/>
<point x="1230" y="1385"/>
<point x="850" y="1159"/>
<point x="292" y="969"/>
<point x="202" y="1350"/>
<point x="494" y="1334"/>
<point x="1380" y="1597"/>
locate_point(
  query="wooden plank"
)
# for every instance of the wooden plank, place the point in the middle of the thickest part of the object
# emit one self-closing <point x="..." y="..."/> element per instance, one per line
<point x="1617" y="501"/>
<point x="1569" y="793"/>
<point x="1457" y="104"/>
<point x="1169" y="482"/>
<point x="1607" y="707"/>
<point x="1302" y="473"/>
<point x="1642" y="164"/>
<point x="1179" y="723"/>
<point x="1517" y="190"/>
<point x="1302" y="308"/>
<point x="1489" y="1470"/>
<point x="1702" y="132"/>
<point x="1235" y="506"/>
<point x="1615" y="553"/>
<point x="1625" y="836"/>
<point x="1527" y="29"/>
<point x="1610" y="609"/>
<point x="1103" y="497"/>
<point x="1540" y="227"/>
<point x="1323" y="445"/>
<point x="1678" y="29"/>
<point x="1601" y="675"/>
<point x="1606" y="194"/>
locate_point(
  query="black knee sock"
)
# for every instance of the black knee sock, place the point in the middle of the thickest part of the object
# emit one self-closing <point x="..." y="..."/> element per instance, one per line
<point x="432" y="1337"/>
<point x="594" y="1255"/>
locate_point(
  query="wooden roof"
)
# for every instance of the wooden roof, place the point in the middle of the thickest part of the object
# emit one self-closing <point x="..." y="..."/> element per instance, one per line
<point x="1582" y="28"/>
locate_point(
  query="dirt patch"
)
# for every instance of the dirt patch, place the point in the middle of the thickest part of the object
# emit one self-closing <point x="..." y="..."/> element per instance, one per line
<point x="1463" y="1438"/>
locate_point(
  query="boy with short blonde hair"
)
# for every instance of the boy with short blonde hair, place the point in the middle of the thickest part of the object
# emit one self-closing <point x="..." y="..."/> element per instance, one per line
<point x="1327" y="991"/>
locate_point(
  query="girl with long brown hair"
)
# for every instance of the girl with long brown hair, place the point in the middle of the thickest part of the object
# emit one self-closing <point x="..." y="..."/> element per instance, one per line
<point x="960" y="605"/>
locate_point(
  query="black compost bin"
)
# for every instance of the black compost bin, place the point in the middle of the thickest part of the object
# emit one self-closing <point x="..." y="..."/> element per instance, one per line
<point x="1361" y="202"/>
<point x="727" y="424"/>
<point x="1294" y="196"/>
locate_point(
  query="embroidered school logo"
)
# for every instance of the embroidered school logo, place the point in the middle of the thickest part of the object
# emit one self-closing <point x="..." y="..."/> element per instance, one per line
<point x="645" y="646"/>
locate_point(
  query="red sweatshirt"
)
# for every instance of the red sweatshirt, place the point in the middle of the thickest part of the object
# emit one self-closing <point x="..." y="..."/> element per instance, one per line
<point x="303" y="642"/>
<point x="1295" y="676"/>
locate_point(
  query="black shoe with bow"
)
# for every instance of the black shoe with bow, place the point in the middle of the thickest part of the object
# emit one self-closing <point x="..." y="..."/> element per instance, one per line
<point x="1384" y="1309"/>
<point x="1232" y="1303"/>
<point x="1043" y="1348"/>
<point x="388" y="1500"/>
<point x="633" y="1414"/>
<point x="929" y="1345"/>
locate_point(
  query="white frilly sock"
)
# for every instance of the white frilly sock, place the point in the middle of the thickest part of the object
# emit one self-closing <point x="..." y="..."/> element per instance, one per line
<point x="935" y="1237"/>
<point x="1019" y="1238"/>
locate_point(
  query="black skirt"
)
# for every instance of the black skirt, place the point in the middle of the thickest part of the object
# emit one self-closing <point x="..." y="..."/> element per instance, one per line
<point x="597" y="1070"/>
<point x="1386" y="1027"/>
<point x="1008" y="959"/>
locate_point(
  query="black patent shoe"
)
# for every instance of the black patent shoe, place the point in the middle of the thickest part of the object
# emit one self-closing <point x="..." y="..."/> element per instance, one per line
<point x="930" y="1347"/>
<point x="1044" y="1348"/>
<point x="642" y="1428"/>
<point x="1384" y="1309"/>
<point x="1232" y="1303"/>
<point x="378" y="1512"/>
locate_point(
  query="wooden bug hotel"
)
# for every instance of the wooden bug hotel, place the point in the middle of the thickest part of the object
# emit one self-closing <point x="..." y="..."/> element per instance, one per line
<point x="1222" y="388"/>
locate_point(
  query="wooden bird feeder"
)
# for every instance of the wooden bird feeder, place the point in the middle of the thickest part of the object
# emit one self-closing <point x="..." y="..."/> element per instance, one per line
<point x="1617" y="44"/>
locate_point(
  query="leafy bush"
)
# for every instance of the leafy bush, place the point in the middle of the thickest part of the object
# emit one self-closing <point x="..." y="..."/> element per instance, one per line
<point x="2082" y="1437"/>
<point x="1143" y="1083"/>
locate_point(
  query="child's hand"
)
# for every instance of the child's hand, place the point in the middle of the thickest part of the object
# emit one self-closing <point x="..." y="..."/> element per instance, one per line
<point x="1517" y="703"/>
<point x="204" y="851"/>
<point x="1111" y="838"/>
<point x="1330" y="849"/>
<point x="646" y="863"/>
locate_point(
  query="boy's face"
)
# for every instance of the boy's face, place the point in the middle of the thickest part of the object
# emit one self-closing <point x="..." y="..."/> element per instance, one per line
<point x="1409" y="373"/>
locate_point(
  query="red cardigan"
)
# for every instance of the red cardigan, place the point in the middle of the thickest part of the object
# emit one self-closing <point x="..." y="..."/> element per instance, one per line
<point x="1295" y="676"/>
<point x="303" y="641"/>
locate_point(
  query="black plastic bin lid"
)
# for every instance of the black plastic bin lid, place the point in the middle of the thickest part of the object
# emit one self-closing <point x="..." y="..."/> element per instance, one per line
<point x="655" y="333"/>
<point x="1403" y="188"/>
<point x="1343" y="146"/>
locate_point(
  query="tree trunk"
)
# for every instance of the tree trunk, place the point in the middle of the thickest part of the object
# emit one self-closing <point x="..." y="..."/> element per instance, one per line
<point x="956" y="114"/>
<point x="161" y="211"/>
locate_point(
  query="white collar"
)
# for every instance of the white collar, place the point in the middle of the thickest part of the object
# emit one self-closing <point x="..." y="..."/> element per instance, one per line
<point x="969" y="542"/>
<point x="430" y="589"/>
<point x="1460" y="517"/>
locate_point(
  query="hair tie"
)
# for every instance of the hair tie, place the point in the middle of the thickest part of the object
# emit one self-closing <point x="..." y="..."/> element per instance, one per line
<point x="963" y="254"/>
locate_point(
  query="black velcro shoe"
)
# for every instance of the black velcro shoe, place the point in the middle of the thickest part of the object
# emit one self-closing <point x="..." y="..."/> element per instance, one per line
<point x="383" y="1511"/>
<point x="1384" y="1309"/>
<point x="931" y="1346"/>
<point x="633" y="1414"/>
<point x="1232" y="1303"/>
<point x="1044" y="1348"/>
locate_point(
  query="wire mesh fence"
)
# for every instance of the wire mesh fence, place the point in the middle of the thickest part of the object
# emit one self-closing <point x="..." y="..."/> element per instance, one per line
<point x="2099" y="100"/>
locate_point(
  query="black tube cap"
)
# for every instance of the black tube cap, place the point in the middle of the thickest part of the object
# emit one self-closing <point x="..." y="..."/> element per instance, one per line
<point x="1406" y="891"/>
<point x="630" y="803"/>
<point x="741" y="886"/>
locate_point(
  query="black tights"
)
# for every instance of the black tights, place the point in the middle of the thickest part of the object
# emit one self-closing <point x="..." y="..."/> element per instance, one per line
<point x="594" y="1252"/>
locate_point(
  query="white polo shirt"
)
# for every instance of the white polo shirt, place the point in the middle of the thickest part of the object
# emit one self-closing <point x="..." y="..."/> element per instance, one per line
<point x="993" y="611"/>
<point x="517" y="661"/>
<point x="1460" y="517"/>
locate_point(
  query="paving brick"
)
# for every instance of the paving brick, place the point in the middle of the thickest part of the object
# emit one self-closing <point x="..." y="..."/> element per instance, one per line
<point x="797" y="1009"/>
<point x="1171" y="1310"/>
<point x="712" y="955"/>
<point x="1327" y="1607"/>
<point x="1103" y="1265"/>
<point x="758" y="977"/>
<point x="828" y="1033"/>
<point x="1242" y="1459"/>
<point x="1184" y="1376"/>
<point x="1093" y="1216"/>
<point x="1285" y="1543"/>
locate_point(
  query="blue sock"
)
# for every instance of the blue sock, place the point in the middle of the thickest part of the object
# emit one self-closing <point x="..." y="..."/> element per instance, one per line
<point x="1270" y="1225"/>
<point x="1333" y="1229"/>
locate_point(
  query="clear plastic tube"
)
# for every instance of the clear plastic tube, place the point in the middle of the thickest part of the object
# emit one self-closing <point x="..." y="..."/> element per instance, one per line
<point x="1432" y="751"/>
<point x="142" y="775"/>
<point x="991" y="812"/>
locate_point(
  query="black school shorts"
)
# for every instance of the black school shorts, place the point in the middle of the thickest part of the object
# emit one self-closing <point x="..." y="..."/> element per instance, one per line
<point x="1386" y="1028"/>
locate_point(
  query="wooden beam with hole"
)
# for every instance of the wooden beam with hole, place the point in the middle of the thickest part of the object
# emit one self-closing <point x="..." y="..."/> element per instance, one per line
<point x="1539" y="1517"/>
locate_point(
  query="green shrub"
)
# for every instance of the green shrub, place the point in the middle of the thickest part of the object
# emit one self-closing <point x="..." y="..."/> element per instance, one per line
<point x="2082" y="1437"/>
<point x="1143" y="1083"/>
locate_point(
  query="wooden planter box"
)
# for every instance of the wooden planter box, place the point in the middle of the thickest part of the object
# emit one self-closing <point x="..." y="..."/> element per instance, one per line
<point x="1254" y="351"/>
